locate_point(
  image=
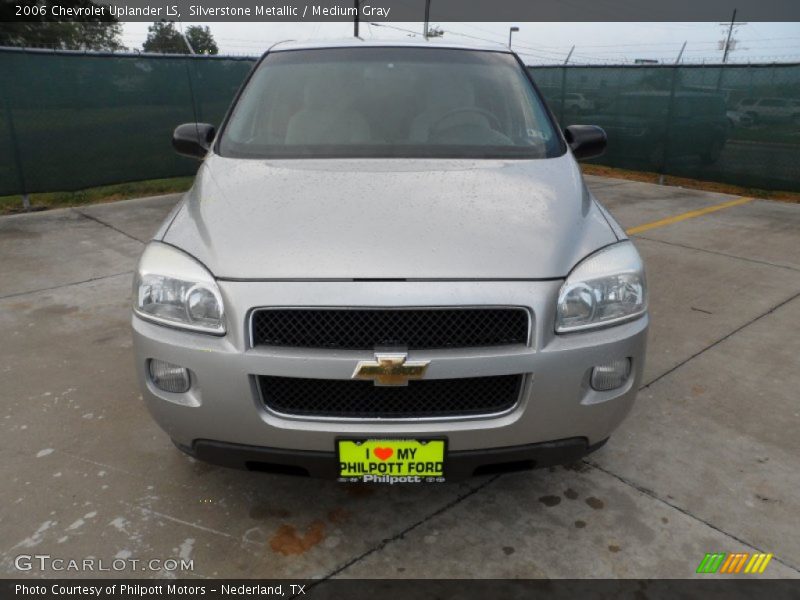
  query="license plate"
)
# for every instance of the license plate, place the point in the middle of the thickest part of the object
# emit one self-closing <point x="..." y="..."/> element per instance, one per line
<point x="391" y="461"/>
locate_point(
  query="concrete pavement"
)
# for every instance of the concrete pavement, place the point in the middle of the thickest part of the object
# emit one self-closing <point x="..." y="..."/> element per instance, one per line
<point x="705" y="463"/>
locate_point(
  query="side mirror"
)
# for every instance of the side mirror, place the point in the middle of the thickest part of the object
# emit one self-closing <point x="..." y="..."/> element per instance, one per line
<point x="193" y="139"/>
<point x="586" y="141"/>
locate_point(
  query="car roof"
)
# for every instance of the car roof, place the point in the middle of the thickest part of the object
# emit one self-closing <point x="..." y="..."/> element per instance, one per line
<point x="289" y="45"/>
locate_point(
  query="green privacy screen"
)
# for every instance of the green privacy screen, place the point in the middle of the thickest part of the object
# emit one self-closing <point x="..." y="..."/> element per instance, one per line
<point x="735" y="124"/>
<point x="72" y="120"/>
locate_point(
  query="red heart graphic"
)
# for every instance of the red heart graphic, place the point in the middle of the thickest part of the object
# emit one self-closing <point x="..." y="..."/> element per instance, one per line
<point x="383" y="453"/>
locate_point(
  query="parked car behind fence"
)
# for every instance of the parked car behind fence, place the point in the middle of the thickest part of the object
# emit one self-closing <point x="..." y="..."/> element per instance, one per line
<point x="647" y="127"/>
<point x="764" y="110"/>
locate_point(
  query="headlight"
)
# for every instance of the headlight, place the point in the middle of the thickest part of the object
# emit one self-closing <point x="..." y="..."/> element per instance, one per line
<point x="172" y="288"/>
<point x="606" y="288"/>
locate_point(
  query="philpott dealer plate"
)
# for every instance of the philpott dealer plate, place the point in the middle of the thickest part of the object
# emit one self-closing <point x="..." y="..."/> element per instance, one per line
<point x="391" y="461"/>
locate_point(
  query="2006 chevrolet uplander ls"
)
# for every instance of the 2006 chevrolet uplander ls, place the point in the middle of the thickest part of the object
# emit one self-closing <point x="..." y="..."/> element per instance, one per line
<point x="389" y="269"/>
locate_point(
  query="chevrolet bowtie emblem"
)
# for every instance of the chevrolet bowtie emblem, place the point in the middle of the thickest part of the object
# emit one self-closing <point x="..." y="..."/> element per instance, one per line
<point x="390" y="369"/>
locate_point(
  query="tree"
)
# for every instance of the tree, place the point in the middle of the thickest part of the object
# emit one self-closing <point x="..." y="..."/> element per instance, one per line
<point x="163" y="37"/>
<point x="48" y="31"/>
<point x="201" y="39"/>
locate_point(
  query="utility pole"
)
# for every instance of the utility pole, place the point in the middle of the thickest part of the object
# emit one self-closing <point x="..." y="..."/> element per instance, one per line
<point x="427" y="18"/>
<point x="355" y="18"/>
<point x="188" y="45"/>
<point x="511" y="30"/>
<point x="571" y="50"/>
<point x="186" y="40"/>
<point x="727" y="48"/>
<point x="680" y="54"/>
<point x="730" y="43"/>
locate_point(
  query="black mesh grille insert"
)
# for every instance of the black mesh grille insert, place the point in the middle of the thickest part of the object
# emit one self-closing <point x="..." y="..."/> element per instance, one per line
<point x="363" y="399"/>
<point x="365" y="329"/>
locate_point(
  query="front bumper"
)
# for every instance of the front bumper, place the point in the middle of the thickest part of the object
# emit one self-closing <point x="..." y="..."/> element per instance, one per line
<point x="223" y="405"/>
<point x="459" y="465"/>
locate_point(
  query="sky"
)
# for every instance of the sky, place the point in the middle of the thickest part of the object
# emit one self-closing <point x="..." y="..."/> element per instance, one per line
<point x="537" y="43"/>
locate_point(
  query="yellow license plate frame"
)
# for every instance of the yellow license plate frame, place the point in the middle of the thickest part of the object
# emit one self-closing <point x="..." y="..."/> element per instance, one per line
<point x="391" y="460"/>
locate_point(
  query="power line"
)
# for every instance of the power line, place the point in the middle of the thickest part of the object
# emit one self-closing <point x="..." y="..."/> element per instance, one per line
<point x="415" y="33"/>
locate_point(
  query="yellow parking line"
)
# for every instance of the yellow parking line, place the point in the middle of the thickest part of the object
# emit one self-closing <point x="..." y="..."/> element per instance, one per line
<point x="764" y="564"/>
<point x="687" y="215"/>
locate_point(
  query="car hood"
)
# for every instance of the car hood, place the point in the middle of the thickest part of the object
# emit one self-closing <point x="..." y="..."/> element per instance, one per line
<point x="389" y="219"/>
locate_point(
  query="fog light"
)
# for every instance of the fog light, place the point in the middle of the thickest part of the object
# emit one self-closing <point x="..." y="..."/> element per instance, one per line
<point x="612" y="375"/>
<point x="169" y="377"/>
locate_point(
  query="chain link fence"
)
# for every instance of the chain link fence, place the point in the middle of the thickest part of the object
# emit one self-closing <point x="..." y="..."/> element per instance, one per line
<point x="75" y="120"/>
<point x="737" y="124"/>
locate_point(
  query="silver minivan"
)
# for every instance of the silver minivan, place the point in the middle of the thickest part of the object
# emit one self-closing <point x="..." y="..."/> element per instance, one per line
<point x="389" y="270"/>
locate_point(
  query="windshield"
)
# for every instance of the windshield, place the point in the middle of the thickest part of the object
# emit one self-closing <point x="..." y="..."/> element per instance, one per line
<point x="389" y="102"/>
